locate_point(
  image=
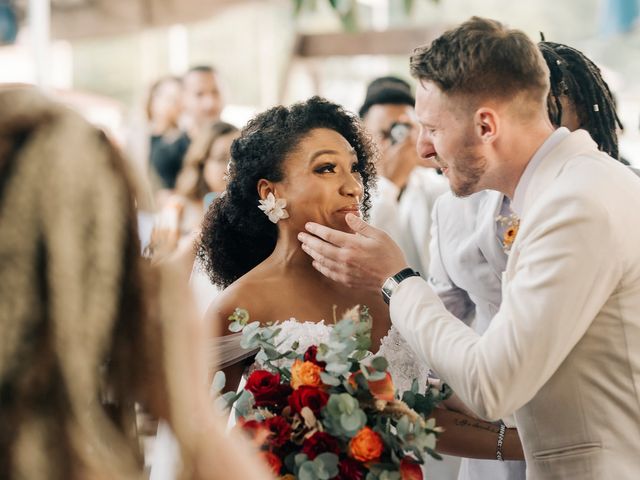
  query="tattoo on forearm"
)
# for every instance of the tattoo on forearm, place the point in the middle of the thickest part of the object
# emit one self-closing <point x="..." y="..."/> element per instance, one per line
<point x="463" y="422"/>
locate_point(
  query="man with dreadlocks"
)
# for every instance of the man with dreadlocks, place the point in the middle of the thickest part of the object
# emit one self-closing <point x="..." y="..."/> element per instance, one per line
<point x="579" y="97"/>
<point x="555" y="296"/>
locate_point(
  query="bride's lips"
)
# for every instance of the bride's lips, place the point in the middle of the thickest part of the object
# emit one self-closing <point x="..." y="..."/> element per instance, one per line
<point x="355" y="209"/>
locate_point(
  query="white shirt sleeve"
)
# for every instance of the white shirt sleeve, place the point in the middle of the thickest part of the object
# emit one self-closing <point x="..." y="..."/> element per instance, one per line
<point x="455" y="299"/>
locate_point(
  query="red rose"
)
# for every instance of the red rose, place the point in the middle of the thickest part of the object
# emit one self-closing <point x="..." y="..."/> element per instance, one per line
<point x="350" y="469"/>
<point x="410" y="469"/>
<point x="306" y="396"/>
<point x="280" y="431"/>
<point x="310" y="356"/>
<point x="267" y="389"/>
<point x="320" y="442"/>
<point x="273" y="461"/>
<point x="258" y="431"/>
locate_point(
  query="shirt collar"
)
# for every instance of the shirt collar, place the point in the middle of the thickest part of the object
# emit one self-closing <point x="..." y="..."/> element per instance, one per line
<point x="523" y="184"/>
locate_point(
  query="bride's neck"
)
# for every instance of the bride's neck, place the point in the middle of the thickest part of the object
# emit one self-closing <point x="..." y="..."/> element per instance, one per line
<point x="288" y="254"/>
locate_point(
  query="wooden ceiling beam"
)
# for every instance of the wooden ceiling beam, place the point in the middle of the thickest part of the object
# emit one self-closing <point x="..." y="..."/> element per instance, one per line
<point x="388" y="42"/>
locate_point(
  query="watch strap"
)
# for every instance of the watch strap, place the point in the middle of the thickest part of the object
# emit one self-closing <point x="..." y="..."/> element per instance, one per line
<point x="392" y="282"/>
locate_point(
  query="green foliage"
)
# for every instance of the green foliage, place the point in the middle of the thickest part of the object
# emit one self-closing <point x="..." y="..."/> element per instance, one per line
<point x="323" y="467"/>
<point x="343" y="415"/>
<point x="347" y="10"/>
<point x="353" y="402"/>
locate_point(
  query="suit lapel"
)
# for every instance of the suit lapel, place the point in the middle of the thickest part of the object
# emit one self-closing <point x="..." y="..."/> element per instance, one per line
<point x="574" y="144"/>
<point x="486" y="238"/>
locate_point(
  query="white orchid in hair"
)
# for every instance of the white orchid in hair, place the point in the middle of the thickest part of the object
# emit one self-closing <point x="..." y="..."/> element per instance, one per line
<point x="274" y="208"/>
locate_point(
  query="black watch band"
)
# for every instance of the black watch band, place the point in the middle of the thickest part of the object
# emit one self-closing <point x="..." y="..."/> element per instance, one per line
<point x="391" y="283"/>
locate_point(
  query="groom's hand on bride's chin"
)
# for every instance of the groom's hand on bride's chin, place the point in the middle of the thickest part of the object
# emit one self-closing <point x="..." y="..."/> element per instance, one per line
<point x="364" y="259"/>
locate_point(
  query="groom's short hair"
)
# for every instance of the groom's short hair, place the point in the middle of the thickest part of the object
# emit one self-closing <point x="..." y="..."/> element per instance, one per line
<point x="482" y="59"/>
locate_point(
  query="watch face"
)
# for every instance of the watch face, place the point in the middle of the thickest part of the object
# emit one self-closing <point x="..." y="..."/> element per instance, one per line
<point x="387" y="288"/>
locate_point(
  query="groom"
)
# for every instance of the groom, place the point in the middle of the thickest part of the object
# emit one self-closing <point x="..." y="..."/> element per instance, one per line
<point x="561" y="352"/>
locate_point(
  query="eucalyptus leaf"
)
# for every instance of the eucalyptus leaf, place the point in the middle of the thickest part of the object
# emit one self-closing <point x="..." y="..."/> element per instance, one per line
<point x="329" y="465"/>
<point x="235" y="327"/>
<point x="307" y="471"/>
<point x="300" y="458"/>
<point x="271" y="353"/>
<point x="377" y="376"/>
<point x="329" y="379"/>
<point x="221" y="403"/>
<point x="218" y="383"/>
<point x="403" y="426"/>
<point x="409" y="398"/>
<point x="244" y="403"/>
<point x="380" y="364"/>
<point x="434" y="454"/>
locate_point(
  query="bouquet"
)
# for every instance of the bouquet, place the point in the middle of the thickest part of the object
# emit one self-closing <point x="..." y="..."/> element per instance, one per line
<point x="331" y="412"/>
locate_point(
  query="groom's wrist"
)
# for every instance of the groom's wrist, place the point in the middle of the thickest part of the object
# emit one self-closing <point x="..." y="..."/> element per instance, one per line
<point x="391" y="283"/>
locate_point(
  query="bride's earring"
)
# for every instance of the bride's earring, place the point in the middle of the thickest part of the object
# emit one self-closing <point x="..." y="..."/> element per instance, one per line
<point x="274" y="209"/>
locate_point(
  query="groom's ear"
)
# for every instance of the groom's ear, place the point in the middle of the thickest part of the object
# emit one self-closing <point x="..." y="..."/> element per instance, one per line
<point x="265" y="187"/>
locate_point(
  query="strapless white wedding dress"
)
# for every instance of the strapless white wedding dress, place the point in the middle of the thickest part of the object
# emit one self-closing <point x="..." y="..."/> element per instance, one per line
<point x="404" y="367"/>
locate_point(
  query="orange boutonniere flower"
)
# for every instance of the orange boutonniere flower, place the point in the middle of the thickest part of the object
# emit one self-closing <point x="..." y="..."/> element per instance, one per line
<point x="511" y="224"/>
<point x="305" y="373"/>
<point x="510" y="235"/>
<point x="366" y="445"/>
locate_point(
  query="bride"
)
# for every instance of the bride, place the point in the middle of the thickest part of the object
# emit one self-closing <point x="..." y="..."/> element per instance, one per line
<point x="311" y="161"/>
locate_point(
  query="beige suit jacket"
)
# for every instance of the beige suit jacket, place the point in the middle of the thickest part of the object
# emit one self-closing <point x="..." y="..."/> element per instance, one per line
<point x="563" y="351"/>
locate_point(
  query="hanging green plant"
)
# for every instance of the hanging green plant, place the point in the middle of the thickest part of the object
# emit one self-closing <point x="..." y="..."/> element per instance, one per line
<point x="347" y="10"/>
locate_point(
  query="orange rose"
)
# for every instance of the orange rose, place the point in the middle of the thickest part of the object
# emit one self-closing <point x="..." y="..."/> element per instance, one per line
<point x="288" y="476"/>
<point x="305" y="373"/>
<point x="382" y="389"/>
<point x="273" y="461"/>
<point x="366" y="445"/>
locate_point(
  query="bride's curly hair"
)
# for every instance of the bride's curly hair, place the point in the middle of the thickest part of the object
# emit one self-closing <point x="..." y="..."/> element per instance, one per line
<point x="236" y="235"/>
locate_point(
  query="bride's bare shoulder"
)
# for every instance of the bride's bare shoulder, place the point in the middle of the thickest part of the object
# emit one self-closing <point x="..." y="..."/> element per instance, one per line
<point x="250" y="292"/>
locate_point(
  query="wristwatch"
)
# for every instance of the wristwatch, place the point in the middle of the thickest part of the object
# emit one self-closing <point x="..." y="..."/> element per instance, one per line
<point x="391" y="283"/>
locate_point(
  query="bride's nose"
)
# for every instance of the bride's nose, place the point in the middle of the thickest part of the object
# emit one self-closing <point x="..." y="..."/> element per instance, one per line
<point x="352" y="186"/>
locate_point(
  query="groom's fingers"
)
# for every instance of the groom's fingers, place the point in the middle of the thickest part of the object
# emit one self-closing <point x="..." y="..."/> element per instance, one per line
<point x="360" y="226"/>
<point x="317" y="248"/>
<point x="335" y="237"/>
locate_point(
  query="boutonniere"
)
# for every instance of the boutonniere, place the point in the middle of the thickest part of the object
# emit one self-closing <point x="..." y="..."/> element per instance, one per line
<point x="511" y="224"/>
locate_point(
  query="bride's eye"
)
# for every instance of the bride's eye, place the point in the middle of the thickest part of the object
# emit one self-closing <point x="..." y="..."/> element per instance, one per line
<point x="327" y="168"/>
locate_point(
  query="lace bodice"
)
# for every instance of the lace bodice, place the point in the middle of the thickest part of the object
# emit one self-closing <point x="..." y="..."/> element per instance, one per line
<point x="404" y="365"/>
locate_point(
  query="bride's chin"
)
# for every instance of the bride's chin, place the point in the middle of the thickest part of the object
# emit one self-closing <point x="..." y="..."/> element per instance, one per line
<point x="342" y="226"/>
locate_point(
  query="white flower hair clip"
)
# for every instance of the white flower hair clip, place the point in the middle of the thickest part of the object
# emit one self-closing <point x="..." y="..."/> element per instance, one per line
<point x="274" y="209"/>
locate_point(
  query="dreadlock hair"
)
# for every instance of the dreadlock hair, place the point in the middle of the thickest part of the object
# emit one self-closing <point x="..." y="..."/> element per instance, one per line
<point x="573" y="75"/>
<point x="236" y="235"/>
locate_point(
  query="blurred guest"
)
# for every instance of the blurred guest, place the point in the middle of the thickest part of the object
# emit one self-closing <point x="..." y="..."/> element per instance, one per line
<point x="407" y="186"/>
<point x="579" y="96"/>
<point x="86" y="324"/>
<point x="201" y="179"/>
<point x="168" y="142"/>
<point x="202" y="99"/>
